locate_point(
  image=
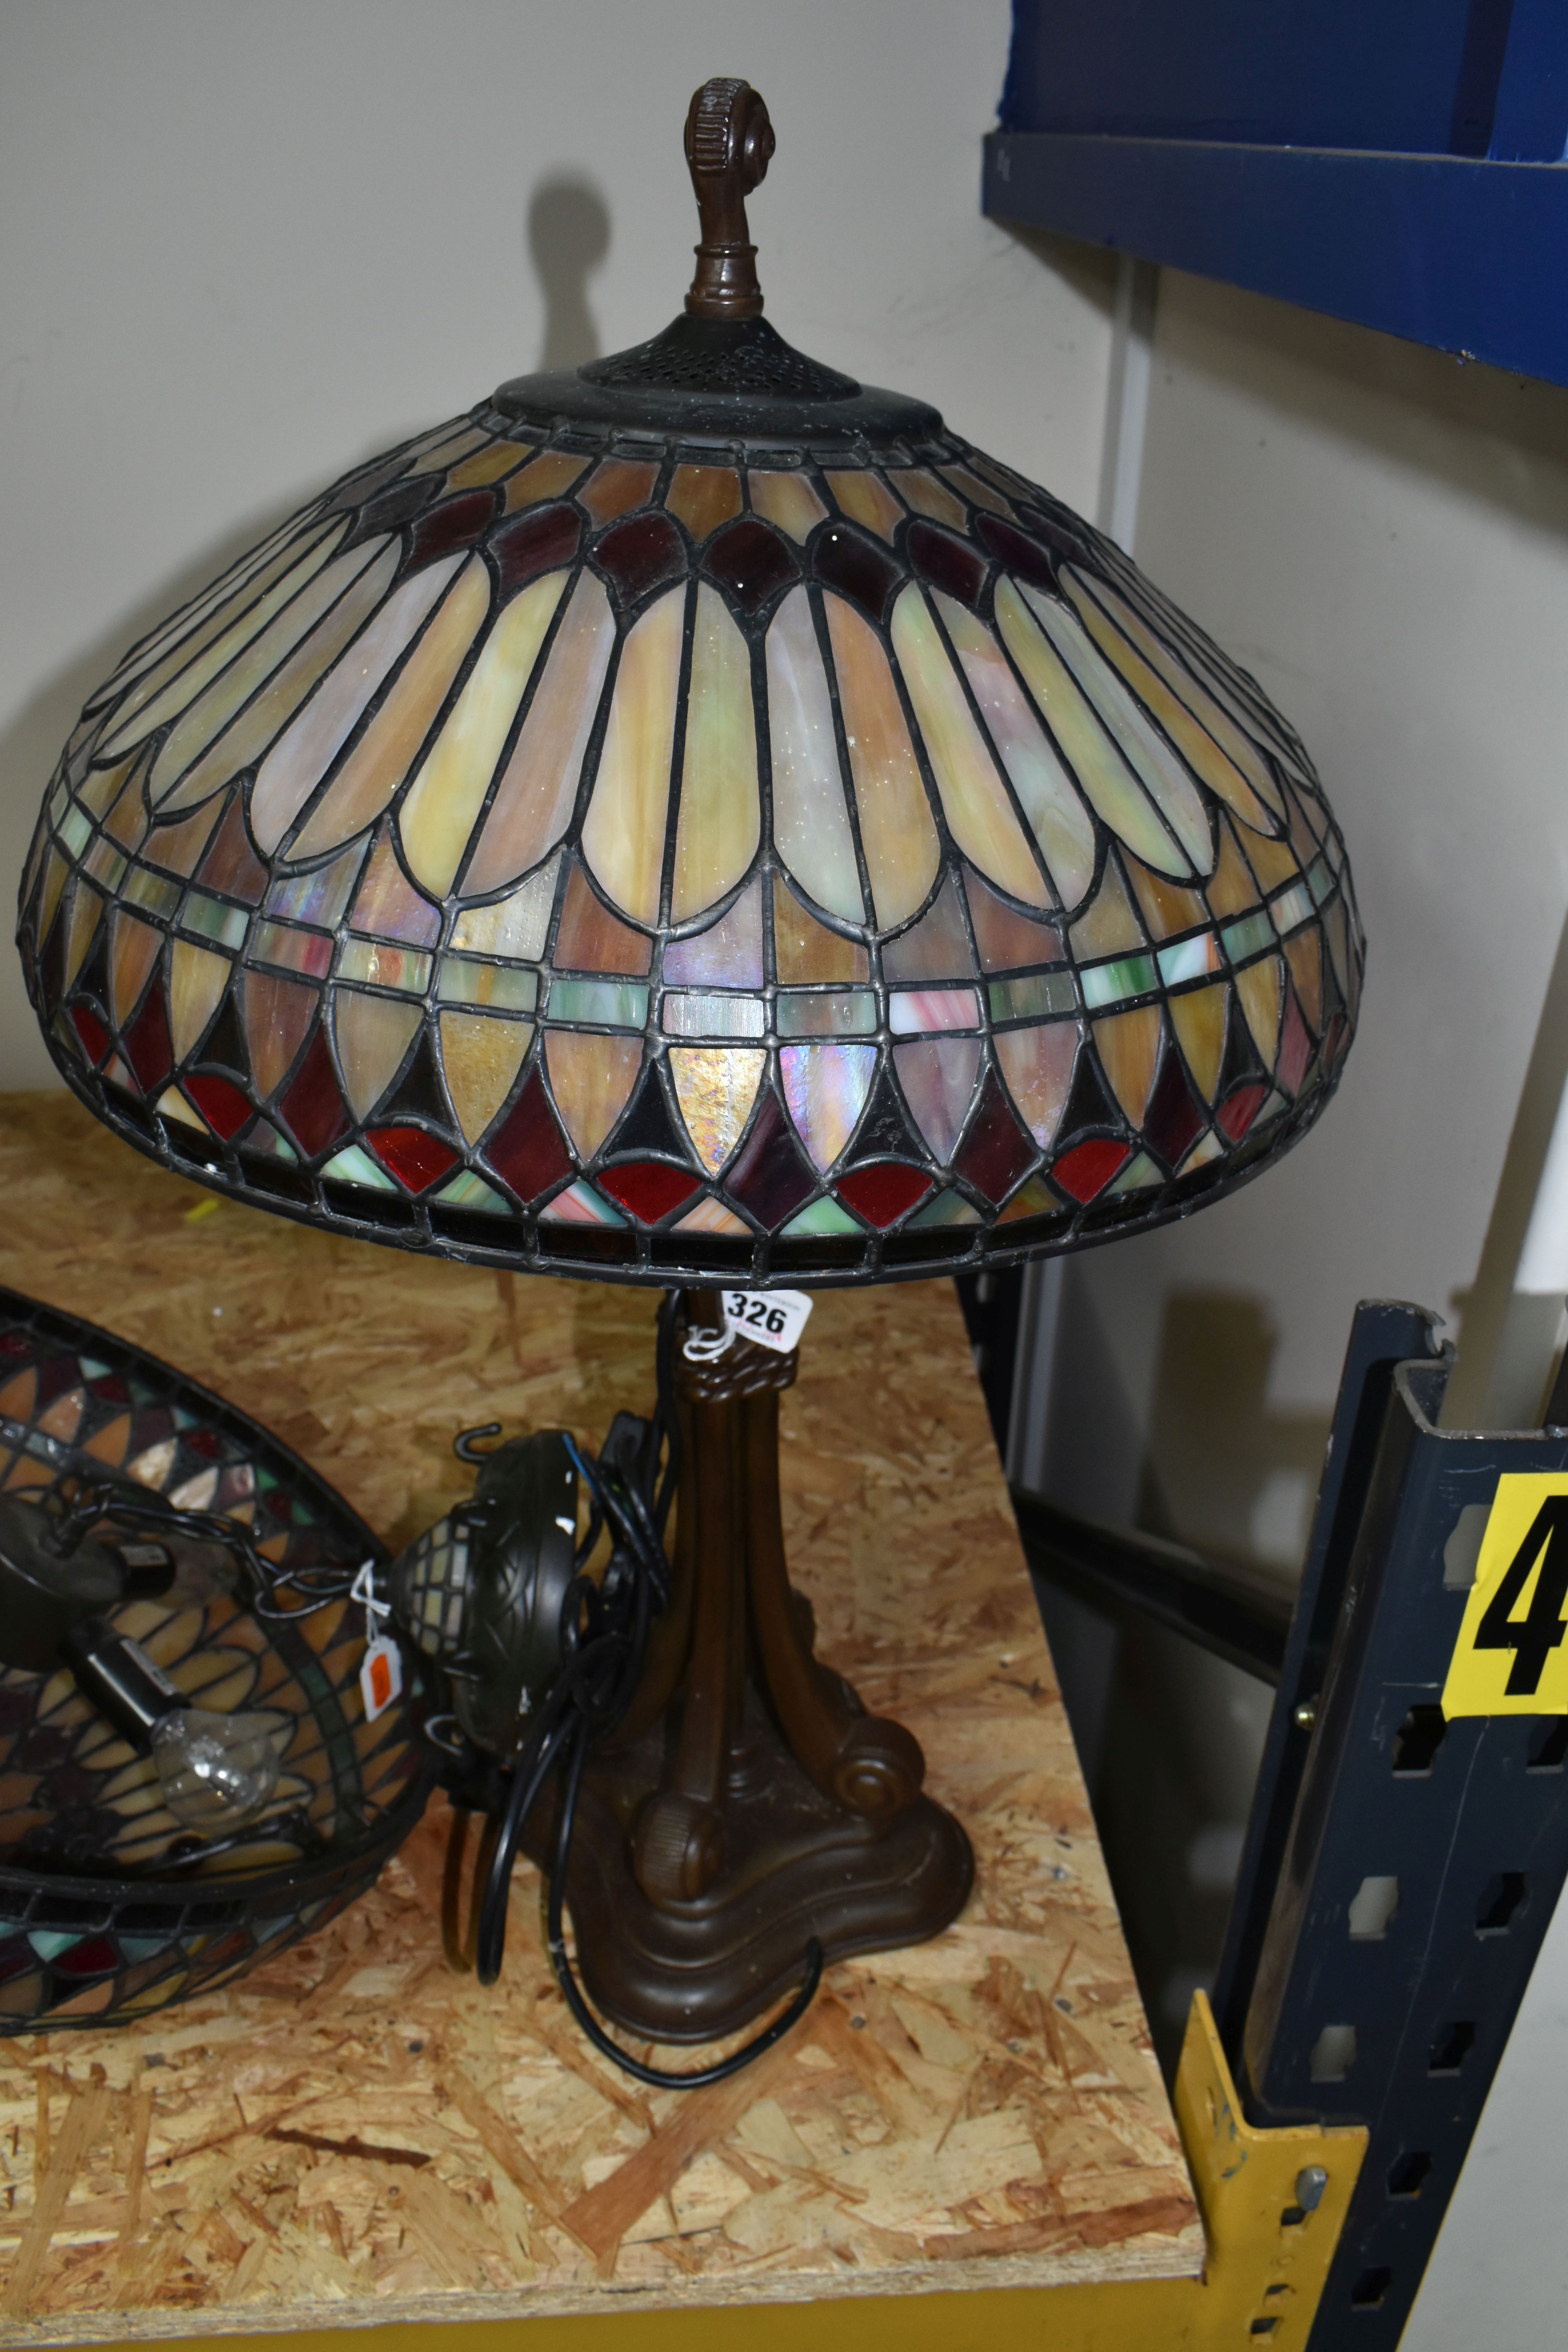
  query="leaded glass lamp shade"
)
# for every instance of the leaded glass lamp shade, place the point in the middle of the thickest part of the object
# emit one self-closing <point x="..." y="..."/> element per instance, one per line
<point x="694" y="818"/>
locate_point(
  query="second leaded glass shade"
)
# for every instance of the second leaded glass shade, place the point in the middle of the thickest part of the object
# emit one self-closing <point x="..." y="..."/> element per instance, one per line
<point x="694" y="819"/>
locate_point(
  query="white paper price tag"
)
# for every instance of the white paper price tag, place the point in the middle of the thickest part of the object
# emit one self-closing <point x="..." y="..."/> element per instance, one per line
<point x="380" y="1677"/>
<point x="774" y="1318"/>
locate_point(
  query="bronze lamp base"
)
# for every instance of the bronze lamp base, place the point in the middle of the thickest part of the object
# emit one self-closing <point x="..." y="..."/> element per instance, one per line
<point x="748" y="1801"/>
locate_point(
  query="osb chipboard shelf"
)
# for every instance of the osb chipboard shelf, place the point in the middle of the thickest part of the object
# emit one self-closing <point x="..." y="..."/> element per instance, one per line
<point x="355" y="2134"/>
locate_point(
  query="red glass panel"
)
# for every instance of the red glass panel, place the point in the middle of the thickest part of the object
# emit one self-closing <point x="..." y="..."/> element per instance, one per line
<point x="883" y="1193"/>
<point x="638" y="555"/>
<point x="90" y="1030"/>
<point x="649" y="1189"/>
<point x="856" y="567"/>
<point x="1238" y="1112"/>
<point x="220" y="1103"/>
<point x="147" y="1045"/>
<point x="1087" y="1169"/>
<point x="455" y="523"/>
<point x="753" y="561"/>
<point x="415" y="1157"/>
<point x="996" y="1150"/>
<point x="948" y="563"/>
<point x="312" y="1106"/>
<point x="535" y="542"/>
<point x="93" y="1957"/>
<point x="528" y="1153"/>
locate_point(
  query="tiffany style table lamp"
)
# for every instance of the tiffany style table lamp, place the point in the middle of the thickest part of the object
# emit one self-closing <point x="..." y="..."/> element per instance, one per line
<point x="695" y="821"/>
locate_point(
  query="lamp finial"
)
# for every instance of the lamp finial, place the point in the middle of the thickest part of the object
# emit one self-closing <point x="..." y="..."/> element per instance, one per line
<point x="729" y="145"/>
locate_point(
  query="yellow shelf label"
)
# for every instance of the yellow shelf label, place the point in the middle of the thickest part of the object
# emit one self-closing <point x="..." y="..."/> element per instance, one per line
<point x="1512" y="1656"/>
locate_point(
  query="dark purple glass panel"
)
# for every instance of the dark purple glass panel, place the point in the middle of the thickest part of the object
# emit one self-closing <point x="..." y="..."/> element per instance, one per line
<point x="884" y="1132"/>
<point x="752" y="561"/>
<point x="392" y="508"/>
<point x="540" y="541"/>
<point x="770" y="1178"/>
<point x="147" y="1045"/>
<point x="455" y="524"/>
<point x="220" y="1103"/>
<point x="649" y="1188"/>
<point x="1025" y="557"/>
<point x="1089" y="1169"/>
<point x="865" y="573"/>
<point x="883" y="1193"/>
<point x="638" y="554"/>
<point x="313" y="1107"/>
<point x="421" y="1093"/>
<point x="415" y="1157"/>
<point x="1087" y="1104"/>
<point x="647" y="1125"/>
<point x="528" y="1153"/>
<point x="946" y="562"/>
<point x="1174" y="1118"/>
<point x="224" y="1042"/>
<point x="995" y="1151"/>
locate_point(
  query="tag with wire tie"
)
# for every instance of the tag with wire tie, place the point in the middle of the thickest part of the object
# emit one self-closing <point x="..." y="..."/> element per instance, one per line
<point x="381" y="1668"/>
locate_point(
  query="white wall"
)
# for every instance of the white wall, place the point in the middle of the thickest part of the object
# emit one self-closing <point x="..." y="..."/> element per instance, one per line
<point x="244" y="247"/>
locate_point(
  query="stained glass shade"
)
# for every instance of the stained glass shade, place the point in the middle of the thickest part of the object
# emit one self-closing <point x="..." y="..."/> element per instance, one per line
<point x="694" y="818"/>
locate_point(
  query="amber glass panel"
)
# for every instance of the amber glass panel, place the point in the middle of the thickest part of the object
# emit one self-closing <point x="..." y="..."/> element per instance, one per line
<point x="1007" y="941"/>
<point x="480" y="1057"/>
<point x="787" y="500"/>
<point x="303" y="753"/>
<point x="715" y="1086"/>
<point x="811" y="819"/>
<point x="133" y="951"/>
<point x="936" y="948"/>
<point x="268" y="711"/>
<point x="388" y="906"/>
<point x="896" y="833"/>
<point x="805" y="950"/>
<point x="1038" y="1065"/>
<point x="923" y="491"/>
<point x="381" y="758"/>
<point x="445" y="797"/>
<point x="1109" y="927"/>
<point x="176" y="847"/>
<point x="549" y="476"/>
<point x="590" y="938"/>
<point x="866" y="499"/>
<point x="488" y="464"/>
<point x="1304" y="954"/>
<point x="590" y="1078"/>
<point x="277" y="1017"/>
<point x="373" y="1034"/>
<point x="1167" y="907"/>
<point x="703" y="497"/>
<point x="1128" y="1046"/>
<point x="1198" y="1017"/>
<point x="1258" y="989"/>
<point x="618" y="486"/>
<point x="534" y="798"/>
<point x="623" y="835"/>
<point x="980" y="816"/>
<point x="514" y="926"/>
<point x="198" y="979"/>
<point x="1232" y="890"/>
<point x="720" y="820"/>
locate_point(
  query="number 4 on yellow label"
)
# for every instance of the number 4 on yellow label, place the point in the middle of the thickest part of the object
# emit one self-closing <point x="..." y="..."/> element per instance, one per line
<point x="1512" y="1656"/>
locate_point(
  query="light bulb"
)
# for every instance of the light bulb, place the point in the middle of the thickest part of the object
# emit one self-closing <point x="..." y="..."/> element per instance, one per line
<point x="217" y="1771"/>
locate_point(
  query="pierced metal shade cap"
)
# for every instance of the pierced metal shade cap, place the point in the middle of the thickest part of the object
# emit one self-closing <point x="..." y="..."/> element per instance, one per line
<point x="694" y="818"/>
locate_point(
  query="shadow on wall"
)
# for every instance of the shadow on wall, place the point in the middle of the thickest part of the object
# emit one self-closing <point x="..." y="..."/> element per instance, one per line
<point x="568" y="238"/>
<point x="1169" y="1736"/>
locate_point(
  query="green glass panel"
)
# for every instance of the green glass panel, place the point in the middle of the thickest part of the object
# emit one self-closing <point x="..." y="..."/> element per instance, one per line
<point x="852" y="1013"/>
<point x="607" y="1003"/>
<point x="1037" y="996"/>
<point x="1107" y="983"/>
<point x="1245" y="938"/>
<point x="824" y="1216"/>
<point x="353" y="1166"/>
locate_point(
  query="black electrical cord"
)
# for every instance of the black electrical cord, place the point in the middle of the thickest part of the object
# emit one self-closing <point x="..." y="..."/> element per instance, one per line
<point x="604" y="1637"/>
